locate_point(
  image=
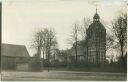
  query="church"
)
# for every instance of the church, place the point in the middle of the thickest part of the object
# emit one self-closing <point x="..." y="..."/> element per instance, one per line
<point x="96" y="41"/>
<point x="93" y="49"/>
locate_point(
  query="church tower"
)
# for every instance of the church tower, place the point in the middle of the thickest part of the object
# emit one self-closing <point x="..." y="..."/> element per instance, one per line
<point x="96" y="41"/>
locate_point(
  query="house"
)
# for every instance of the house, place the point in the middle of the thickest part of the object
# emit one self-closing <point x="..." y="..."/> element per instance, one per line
<point x="14" y="57"/>
<point x="81" y="52"/>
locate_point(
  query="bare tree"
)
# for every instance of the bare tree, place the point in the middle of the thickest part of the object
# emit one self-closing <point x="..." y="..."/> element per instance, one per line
<point x="75" y="37"/>
<point x="44" y="40"/>
<point x="78" y="33"/>
<point x="119" y="27"/>
<point x="38" y="42"/>
<point x="85" y="24"/>
<point x="50" y="43"/>
<point x="109" y="41"/>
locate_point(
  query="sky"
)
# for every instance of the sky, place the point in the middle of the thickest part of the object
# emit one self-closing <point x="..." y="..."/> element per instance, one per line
<point x="20" y="18"/>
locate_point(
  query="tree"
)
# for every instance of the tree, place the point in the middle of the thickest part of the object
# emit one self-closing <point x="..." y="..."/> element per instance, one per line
<point x="50" y="43"/>
<point x="109" y="41"/>
<point x="75" y="37"/>
<point x="79" y="34"/>
<point x="44" y="40"/>
<point x="56" y="53"/>
<point x="119" y="28"/>
<point x="85" y="24"/>
<point x="37" y="43"/>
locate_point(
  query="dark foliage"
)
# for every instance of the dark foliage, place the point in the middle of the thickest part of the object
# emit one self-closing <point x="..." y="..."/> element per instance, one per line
<point x="35" y="64"/>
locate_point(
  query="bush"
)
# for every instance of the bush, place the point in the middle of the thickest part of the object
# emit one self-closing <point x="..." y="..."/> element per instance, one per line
<point x="35" y="64"/>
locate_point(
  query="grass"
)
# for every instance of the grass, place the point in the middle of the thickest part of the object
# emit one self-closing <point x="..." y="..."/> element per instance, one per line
<point x="91" y="69"/>
<point x="62" y="75"/>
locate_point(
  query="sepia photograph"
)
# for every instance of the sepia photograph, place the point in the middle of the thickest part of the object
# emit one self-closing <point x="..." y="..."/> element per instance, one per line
<point x="63" y="40"/>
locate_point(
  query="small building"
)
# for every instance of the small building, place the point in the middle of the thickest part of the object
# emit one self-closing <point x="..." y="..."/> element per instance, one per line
<point x="14" y="57"/>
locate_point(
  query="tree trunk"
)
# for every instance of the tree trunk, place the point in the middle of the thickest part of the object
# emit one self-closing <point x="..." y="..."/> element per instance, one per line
<point x="122" y="55"/>
<point x="54" y="59"/>
<point x="39" y="52"/>
<point x="43" y="58"/>
<point x="76" y="51"/>
<point x="49" y="54"/>
<point x="48" y="61"/>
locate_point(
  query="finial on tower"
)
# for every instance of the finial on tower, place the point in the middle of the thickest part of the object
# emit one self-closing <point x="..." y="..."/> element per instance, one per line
<point x="96" y="16"/>
<point x="96" y="9"/>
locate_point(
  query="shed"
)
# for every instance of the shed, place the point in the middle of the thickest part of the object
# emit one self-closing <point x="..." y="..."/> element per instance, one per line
<point x="14" y="57"/>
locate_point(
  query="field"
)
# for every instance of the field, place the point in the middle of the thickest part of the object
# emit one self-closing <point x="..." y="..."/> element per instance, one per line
<point x="62" y="75"/>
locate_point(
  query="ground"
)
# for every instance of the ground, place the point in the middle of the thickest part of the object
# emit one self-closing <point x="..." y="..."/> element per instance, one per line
<point x="62" y="75"/>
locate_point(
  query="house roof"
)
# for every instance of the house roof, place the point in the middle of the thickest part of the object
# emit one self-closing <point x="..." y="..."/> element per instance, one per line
<point x="80" y="48"/>
<point x="80" y="51"/>
<point x="14" y="50"/>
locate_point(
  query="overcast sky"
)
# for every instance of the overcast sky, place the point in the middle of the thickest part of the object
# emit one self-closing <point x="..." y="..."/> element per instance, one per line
<point x="22" y="17"/>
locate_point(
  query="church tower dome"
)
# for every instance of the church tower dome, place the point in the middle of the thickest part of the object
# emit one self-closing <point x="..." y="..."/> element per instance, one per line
<point x="96" y="16"/>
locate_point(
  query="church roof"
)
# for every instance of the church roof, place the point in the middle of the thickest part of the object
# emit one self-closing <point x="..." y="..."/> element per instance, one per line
<point x="14" y="50"/>
<point x="96" y="24"/>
